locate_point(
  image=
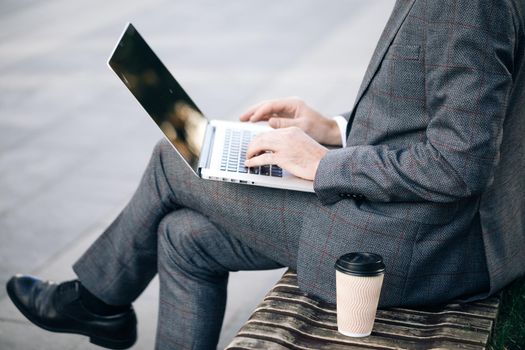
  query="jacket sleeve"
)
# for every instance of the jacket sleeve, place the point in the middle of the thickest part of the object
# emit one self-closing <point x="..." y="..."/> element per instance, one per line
<point x="468" y="82"/>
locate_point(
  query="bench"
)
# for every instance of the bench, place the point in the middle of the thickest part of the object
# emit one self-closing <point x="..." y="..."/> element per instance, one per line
<point x="289" y="319"/>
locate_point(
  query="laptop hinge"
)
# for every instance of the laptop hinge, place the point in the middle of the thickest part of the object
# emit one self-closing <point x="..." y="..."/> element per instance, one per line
<point x="207" y="147"/>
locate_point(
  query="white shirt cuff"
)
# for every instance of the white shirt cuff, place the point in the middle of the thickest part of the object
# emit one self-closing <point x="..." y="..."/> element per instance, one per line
<point x="341" y="123"/>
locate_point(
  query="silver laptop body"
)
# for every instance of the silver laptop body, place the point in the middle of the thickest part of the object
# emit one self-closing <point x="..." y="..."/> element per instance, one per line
<point x="214" y="149"/>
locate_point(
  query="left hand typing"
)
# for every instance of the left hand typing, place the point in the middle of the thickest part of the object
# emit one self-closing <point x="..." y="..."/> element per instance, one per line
<point x="290" y="148"/>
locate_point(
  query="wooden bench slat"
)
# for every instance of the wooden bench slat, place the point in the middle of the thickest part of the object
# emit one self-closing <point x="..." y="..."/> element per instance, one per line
<point x="416" y="320"/>
<point x="299" y="339"/>
<point x="472" y="309"/>
<point x="451" y="310"/>
<point x="381" y="330"/>
<point x="295" y="338"/>
<point x="240" y="343"/>
<point x="329" y="320"/>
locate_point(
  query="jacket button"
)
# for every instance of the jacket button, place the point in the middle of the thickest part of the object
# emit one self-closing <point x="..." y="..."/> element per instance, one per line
<point x="351" y="195"/>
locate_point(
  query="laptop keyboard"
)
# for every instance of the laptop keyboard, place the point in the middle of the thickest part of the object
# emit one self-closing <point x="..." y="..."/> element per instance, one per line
<point x="234" y="154"/>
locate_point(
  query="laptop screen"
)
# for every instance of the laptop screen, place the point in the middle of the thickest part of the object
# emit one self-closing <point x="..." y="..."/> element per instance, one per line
<point x="159" y="93"/>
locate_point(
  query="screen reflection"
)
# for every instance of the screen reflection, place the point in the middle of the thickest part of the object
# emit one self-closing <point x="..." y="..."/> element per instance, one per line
<point x="159" y="93"/>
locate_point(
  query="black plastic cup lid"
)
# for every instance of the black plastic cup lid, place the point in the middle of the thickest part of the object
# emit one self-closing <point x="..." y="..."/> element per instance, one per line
<point x="360" y="264"/>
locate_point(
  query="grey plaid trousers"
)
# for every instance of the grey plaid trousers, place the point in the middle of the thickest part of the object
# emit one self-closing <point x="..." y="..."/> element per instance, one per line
<point x="192" y="232"/>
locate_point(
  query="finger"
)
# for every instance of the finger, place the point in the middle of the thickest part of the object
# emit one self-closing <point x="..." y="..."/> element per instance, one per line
<point x="282" y="108"/>
<point x="249" y="112"/>
<point x="278" y="123"/>
<point x="263" y="159"/>
<point x="262" y="143"/>
<point x="252" y="109"/>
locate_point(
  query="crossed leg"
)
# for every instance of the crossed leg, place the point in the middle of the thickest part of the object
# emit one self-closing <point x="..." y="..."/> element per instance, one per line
<point x="192" y="232"/>
<point x="194" y="260"/>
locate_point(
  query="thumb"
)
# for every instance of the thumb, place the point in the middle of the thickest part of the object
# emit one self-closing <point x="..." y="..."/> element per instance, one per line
<point x="278" y="123"/>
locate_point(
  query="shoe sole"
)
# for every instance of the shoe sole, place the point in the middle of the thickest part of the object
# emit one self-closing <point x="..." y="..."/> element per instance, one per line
<point x="100" y="341"/>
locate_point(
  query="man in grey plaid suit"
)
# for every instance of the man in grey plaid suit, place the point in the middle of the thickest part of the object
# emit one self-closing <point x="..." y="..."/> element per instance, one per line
<point x="431" y="176"/>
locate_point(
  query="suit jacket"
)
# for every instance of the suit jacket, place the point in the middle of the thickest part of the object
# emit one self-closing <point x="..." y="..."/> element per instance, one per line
<point x="433" y="175"/>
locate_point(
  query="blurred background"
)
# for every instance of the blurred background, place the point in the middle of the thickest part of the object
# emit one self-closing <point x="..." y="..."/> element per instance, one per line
<point x="74" y="142"/>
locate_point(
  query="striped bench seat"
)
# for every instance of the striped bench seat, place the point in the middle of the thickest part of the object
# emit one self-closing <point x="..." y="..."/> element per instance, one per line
<point x="289" y="319"/>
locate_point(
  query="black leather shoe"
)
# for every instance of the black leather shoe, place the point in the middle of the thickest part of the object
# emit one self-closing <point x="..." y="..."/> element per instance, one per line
<point x="57" y="308"/>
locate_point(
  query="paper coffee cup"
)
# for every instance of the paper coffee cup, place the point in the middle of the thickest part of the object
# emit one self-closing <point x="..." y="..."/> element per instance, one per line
<point x="359" y="277"/>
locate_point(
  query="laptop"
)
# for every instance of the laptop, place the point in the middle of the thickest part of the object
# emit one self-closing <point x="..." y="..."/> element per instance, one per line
<point x="213" y="149"/>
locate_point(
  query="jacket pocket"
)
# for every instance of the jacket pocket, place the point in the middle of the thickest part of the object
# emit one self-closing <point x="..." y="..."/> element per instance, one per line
<point x="403" y="53"/>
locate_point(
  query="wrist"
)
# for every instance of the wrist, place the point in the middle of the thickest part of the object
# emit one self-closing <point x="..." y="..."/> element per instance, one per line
<point x="320" y="155"/>
<point x="333" y="133"/>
